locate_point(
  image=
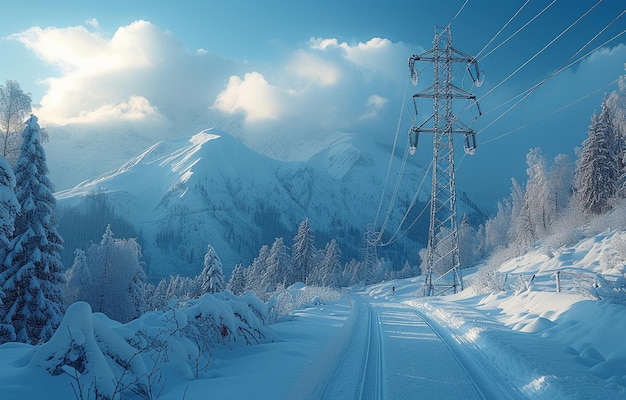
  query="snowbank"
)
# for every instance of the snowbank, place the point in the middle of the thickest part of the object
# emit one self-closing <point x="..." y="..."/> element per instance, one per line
<point x="101" y="358"/>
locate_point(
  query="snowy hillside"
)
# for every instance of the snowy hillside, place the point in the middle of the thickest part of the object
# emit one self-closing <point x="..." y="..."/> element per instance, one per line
<point x="184" y="193"/>
<point x="523" y="341"/>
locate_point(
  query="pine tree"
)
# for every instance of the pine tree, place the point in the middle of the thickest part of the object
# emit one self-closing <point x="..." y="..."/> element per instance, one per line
<point x="79" y="281"/>
<point x="32" y="277"/>
<point x="331" y="265"/>
<point x="303" y="252"/>
<point x="211" y="279"/>
<point x="119" y="279"/>
<point x="256" y="270"/>
<point x="237" y="282"/>
<point x="599" y="164"/>
<point x="277" y="267"/>
<point x="9" y="207"/>
<point x="468" y="243"/>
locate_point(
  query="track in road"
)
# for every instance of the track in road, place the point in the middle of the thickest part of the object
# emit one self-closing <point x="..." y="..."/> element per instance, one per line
<point x="372" y="384"/>
<point x="396" y="353"/>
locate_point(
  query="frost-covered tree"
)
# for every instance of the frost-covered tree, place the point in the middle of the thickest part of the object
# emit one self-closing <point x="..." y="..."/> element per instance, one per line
<point x="32" y="278"/>
<point x="561" y="179"/>
<point x="328" y="271"/>
<point x="9" y="207"/>
<point x="521" y="231"/>
<point x="237" y="282"/>
<point x="599" y="165"/>
<point x="497" y="228"/>
<point x="468" y="243"/>
<point x="355" y="273"/>
<point x="540" y="210"/>
<point x="15" y="106"/>
<point x="255" y="271"/>
<point x="303" y="252"/>
<point x="156" y="296"/>
<point x="211" y="279"/>
<point x="406" y="271"/>
<point x="182" y="288"/>
<point x="79" y="283"/>
<point x="277" y="267"/>
<point x="118" y="277"/>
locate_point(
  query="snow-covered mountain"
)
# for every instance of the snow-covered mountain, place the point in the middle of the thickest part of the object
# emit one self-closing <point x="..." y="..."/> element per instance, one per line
<point x="184" y="193"/>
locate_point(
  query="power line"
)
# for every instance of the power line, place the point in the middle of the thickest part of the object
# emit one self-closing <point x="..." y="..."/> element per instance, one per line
<point x="503" y="28"/>
<point x="553" y="112"/>
<point x="406" y="214"/>
<point x="519" y="30"/>
<point x="569" y="62"/>
<point x="532" y="89"/>
<point x="458" y="12"/>
<point x="393" y="150"/>
<point x="541" y="51"/>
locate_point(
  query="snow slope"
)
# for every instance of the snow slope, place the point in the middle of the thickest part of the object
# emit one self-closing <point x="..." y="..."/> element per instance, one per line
<point x="526" y="341"/>
<point x="211" y="189"/>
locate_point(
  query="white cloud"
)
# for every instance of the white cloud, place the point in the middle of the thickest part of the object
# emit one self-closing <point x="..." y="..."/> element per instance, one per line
<point x="313" y="68"/>
<point x="377" y="55"/>
<point x="136" y="108"/>
<point x="374" y="106"/>
<point x="92" y="23"/>
<point x="98" y="74"/>
<point x="252" y="95"/>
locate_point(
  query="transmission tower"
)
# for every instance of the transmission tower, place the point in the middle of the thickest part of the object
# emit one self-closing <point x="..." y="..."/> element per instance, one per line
<point x="369" y="253"/>
<point x="443" y="261"/>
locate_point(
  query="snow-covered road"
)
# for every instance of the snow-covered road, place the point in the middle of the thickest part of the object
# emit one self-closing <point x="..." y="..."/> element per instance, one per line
<point x="395" y="351"/>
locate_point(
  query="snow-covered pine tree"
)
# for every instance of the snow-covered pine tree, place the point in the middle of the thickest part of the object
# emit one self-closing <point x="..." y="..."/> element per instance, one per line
<point x="406" y="271"/>
<point x="541" y="210"/>
<point x="211" y="279"/>
<point x="497" y="228"/>
<point x="468" y="243"/>
<point x="328" y="272"/>
<point x="237" y="282"/>
<point x="79" y="283"/>
<point x="116" y="268"/>
<point x="32" y="277"/>
<point x="599" y="164"/>
<point x="256" y="270"/>
<point x="303" y="252"/>
<point x="277" y="267"/>
<point x="521" y="231"/>
<point x="8" y="210"/>
<point x="561" y="179"/>
<point x="156" y="296"/>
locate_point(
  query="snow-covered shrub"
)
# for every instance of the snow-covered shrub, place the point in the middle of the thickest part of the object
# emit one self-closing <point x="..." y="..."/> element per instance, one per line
<point x="298" y="296"/>
<point x="106" y="359"/>
<point x="487" y="280"/>
<point x="612" y="288"/>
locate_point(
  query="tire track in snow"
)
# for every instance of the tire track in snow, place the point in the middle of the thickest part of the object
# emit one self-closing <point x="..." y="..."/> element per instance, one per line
<point x="372" y="384"/>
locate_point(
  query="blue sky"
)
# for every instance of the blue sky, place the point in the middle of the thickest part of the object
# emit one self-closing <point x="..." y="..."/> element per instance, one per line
<point x="262" y="69"/>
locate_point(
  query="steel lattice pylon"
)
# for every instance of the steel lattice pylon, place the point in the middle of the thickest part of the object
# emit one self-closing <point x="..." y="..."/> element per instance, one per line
<point x="443" y="261"/>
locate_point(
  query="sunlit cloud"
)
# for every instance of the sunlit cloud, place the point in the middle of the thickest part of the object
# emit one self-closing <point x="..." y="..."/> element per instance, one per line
<point x="373" y="107"/>
<point x="99" y="74"/>
<point x="251" y="95"/>
<point x="313" y="68"/>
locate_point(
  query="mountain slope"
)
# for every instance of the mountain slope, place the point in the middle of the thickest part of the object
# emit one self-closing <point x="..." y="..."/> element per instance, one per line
<point x="184" y="193"/>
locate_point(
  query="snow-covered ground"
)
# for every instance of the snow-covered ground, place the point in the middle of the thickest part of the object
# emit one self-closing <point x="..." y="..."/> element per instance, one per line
<point x="526" y="341"/>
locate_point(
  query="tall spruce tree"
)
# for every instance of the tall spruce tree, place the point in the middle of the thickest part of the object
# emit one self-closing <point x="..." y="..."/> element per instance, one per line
<point x="599" y="164"/>
<point x="211" y="279"/>
<point x="32" y="278"/>
<point x="8" y="210"/>
<point x="237" y="282"/>
<point x="303" y="252"/>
